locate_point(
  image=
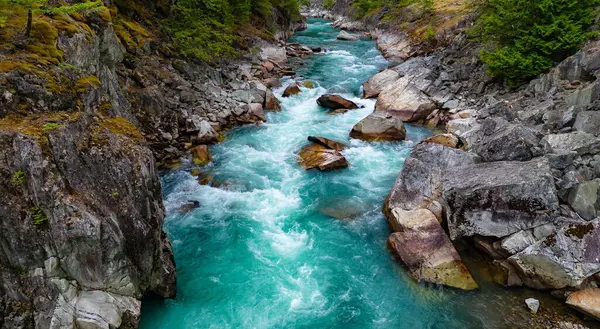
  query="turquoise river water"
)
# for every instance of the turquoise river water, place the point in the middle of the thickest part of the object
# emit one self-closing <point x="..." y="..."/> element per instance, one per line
<point x="280" y="247"/>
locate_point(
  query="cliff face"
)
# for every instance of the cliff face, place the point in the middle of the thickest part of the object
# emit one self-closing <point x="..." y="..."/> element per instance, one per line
<point x="86" y="107"/>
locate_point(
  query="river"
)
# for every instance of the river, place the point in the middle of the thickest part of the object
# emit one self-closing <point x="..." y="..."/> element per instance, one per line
<point x="276" y="246"/>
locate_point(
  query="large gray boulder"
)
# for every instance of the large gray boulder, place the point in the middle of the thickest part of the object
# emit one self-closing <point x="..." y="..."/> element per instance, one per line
<point x="378" y="82"/>
<point x="564" y="259"/>
<point x="497" y="140"/>
<point x="578" y="141"/>
<point x="420" y="181"/>
<point x="379" y="127"/>
<point x="343" y="35"/>
<point x="498" y="198"/>
<point x="588" y="121"/>
<point x="584" y="199"/>
<point x="405" y="99"/>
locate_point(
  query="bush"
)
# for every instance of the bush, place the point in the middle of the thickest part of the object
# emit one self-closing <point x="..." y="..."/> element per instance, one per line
<point x="328" y="4"/>
<point x="525" y="38"/>
<point x="38" y="215"/>
<point x="18" y="177"/>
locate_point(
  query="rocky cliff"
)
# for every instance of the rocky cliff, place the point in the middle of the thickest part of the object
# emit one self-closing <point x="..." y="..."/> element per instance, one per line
<point x="87" y="107"/>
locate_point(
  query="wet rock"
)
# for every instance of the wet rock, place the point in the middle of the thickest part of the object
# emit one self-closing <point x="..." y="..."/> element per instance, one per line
<point x="343" y="35"/>
<point x="190" y="205"/>
<point x="448" y="140"/>
<point x="583" y="198"/>
<point x="586" y="301"/>
<point x="564" y="259"/>
<point x="272" y="83"/>
<point x="200" y="155"/>
<point x="422" y="245"/>
<point x="98" y="309"/>
<point x="532" y="304"/>
<point x="317" y="156"/>
<point x="308" y="84"/>
<point x="253" y="113"/>
<point x="420" y="181"/>
<point x="291" y="90"/>
<point x="335" y="102"/>
<point x="588" y="121"/>
<point x="327" y="143"/>
<point x="379" y="127"/>
<point x="508" y="275"/>
<point x="271" y="102"/>
<point x="498" y="198"/>
<point x="378" y="82"/>
<point x="206" y="132"/>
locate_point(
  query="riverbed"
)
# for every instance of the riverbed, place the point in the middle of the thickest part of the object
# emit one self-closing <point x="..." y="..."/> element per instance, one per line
<point x="276" y="246"/>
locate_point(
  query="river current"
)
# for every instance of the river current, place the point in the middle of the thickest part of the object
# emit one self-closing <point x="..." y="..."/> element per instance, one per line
<point x="276" y="246"/>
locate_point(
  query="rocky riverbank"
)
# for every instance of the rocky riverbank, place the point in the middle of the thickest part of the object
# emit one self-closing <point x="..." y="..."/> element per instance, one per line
<point x="519" y="181"/>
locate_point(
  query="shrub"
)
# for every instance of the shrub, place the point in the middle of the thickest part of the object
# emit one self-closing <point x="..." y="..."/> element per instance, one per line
<point x="328" y="4"/>
<point x="18" y="177"/>
<point x="38" y="215"/>
<point x="525" y="38"/>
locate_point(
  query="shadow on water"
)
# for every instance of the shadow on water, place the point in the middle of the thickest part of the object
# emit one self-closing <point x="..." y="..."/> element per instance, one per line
<point x="281" y="247"/>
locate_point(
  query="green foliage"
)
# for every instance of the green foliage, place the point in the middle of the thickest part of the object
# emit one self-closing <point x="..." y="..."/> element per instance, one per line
<point x="365" y="7"/>
<point x="82" y="7"/>
<point x="49" y="126"/>
<point x="18" y="177"/>
<point x="429" y="33"/>
<point x="328" y="4"/>
<point x="208" y="29"/>
<point x="38" y="215"/>
<point x="525" y="38"/>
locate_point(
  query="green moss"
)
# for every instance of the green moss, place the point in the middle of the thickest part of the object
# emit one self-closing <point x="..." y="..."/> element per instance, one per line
<point x="38" y="216"/>
<point x="18" y="177"/>
<point x="82" y="84"/>
<point x="309" y="84"/>
<point x="49" y="126"/>
<point x="121" y="126"/>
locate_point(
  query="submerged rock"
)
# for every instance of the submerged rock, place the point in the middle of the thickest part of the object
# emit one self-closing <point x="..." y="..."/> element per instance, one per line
<point x="323" y="154"/>
<point x="335" y="102"/>
<point x="200" y="155"/>
<point x="586" y="301"/>
<point x="422" y="245"/>
<point x="532" y="304"/>
<point x="343" y="35"/>
<point x="498" y="198"/>
<point x="379" y="127"/>
<point x="291" y="90"/>
<point x="271" y="102"/>
<point x="378" y="82"/>
<point x="564" y="259"/>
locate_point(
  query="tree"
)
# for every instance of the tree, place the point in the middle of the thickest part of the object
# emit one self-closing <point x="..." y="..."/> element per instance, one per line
<point x="524" y="38"/>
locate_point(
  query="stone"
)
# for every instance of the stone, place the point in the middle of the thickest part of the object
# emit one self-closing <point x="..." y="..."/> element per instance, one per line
<point x="487" y="245"/>
<point x="317" y="156"/>
<point x="343" y="35"/>
<point x="460" y="127"/>
<point x="271" y="102"/>
<point x="498" y="198"/>
<point x="327" y="143"/>
<point x="269" y="66"/>
<point x="583" y="198"/>
<point x="497" y="140"/>
<point x="291" y="90"/>
<point x="206" y="133"/>
<point x="532" y="304"/>
<point x="253" y="112"/>
<point x="420" y="181"/>
<point x="102" y="310"/>
<point x="517" y="242"/>
<point x="335" y="102"/>
<point x="272" y="83"/>
<point x="404" y="99"/>
<point x="588" y="121"/>
<point x="564" y="259"/>
<point x="373" y="87"/>
<point x="422" y="245"/>
<point x="448" y="140"/>
<point x="586" y="301"/>
<point x="379" y="127"/>
<point x="507" y="274"/>
<point x="578" y="141"/>
<point x="200" y="155"/>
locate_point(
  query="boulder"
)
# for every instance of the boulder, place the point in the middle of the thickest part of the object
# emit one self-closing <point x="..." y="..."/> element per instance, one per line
<point x="99" y="309"/>
<point x="588" y="121"/>
<point x="517" y="242"/>
<point x="271" y="102"/>
<point x="584" y="199"/>
<point x="532" y="304"/>
<point x="335" y="102"/>
<point x="586" y="301"/>
<point x="420" y="181"/>
<point x="253" y="112"/>
<point x="422" y="245"/>
<point x="200" y="155"/>
<point x="324" y="155"/>
<point x="564" y="259"/>
<point x="506" y="274"/>
<point x="498" y="198"/>
<point x="404" y="99"/>
<point x="578" y="141"/>
<point x="379" y="127"/>
<point x="448" y="140"/>
<point x="343" y="35"/>
<point x="327" y="143"/>
<point x="497" y="140"/>
<point x="378" y="82"/>
<point x="291" y="90"/>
